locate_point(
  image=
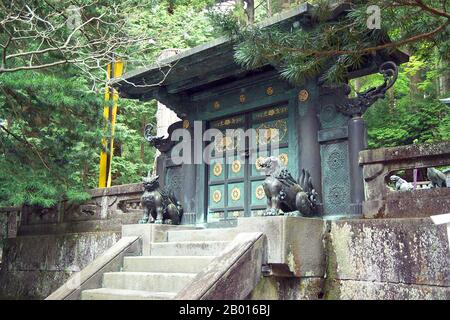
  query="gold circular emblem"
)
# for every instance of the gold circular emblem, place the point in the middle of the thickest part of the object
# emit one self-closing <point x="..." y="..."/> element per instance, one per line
<point x="186" y="124"/>
<point x="259" y="192"/>
<point x="217" y="196"/>
<point x="303" y="95"/>
<point x="284" y="158"/>
<point x="216" y="105"/>
<point x="258" y="163"/>
<point x="217" y="169"/>
<point x="236" y="166"/>
<point x="242" y="98"/>
<point x="235" y="194"/>
<point x="269" y="91"/>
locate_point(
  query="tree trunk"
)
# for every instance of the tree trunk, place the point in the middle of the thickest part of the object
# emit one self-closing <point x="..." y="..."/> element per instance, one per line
<point x="444" y="78"/>
<point x="250" y="11"/>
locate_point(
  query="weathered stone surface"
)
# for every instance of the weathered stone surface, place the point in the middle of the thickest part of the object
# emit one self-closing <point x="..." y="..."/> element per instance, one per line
<point x="413" y="204"/>
<point x="35" y="266"/>
<point x="91" y="276"/>
<point x="288" y="288"/>
<point x="405" y="152"/>
<point x="379" y="164"/>
<point x="56" y="253"/>
<point x="368" y="290"/>
<point x="177" y="264"/>
<point x="123" y="294"/>
<point x="107" y="209"/>
<point x="403" y="251"/>
<point x="293" y="241"/>
<point x="30" y="285"/>
<point x="113" y="224"/>
<point x="233" y="274"/>
<point x="193" y="248"/>
<point x="150" y="232"/>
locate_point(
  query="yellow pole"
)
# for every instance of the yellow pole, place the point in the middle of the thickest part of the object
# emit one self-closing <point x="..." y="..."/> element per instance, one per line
<point x="106" y="156"/>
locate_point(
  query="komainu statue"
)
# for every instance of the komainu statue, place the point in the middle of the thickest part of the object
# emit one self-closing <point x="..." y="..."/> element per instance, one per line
<point x="286" y="194"/>
<point x="160" y="205"/>
<point x="437" y="178"/>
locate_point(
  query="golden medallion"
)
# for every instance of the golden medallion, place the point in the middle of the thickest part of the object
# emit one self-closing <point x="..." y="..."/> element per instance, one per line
<point x="217" y="169"/>
<point x="186" y="124"/>
<point x="259" y="192"/>
<point x="258" y="163"/>
<point x="216" y="105"/>
<point x="235" y="194"/>
<point x="236" y="166"/>
<point x="303" y="95"/>
<point x="284" y="159"/>
<point x="269" y="91"/>
<point x="242" y="98"/>
<point x="217" y="196"/>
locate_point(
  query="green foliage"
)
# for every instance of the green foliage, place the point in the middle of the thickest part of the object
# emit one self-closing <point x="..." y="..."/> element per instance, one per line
<point x="331" y="48"/>
<point x="53" y="122"/>
<point x="403" y="117"/>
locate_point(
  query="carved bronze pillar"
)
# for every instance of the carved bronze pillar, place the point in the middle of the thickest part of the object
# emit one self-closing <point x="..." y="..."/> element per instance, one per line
<point x="357" y="141"/>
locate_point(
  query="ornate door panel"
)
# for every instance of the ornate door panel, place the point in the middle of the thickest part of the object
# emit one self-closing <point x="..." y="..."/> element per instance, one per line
<point x="235" y="182"/>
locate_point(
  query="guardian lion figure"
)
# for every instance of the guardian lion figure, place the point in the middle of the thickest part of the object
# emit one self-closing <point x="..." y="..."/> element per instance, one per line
<point x="160" y="205"/>
<point x="284" y="193"/>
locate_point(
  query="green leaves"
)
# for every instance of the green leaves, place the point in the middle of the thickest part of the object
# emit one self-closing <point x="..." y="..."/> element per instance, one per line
<point x="300" y="51"/>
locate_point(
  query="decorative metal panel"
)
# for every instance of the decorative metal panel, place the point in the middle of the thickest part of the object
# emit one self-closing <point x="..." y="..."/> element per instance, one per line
<point x="174" y="180"/>
<point x="258" y="194"/>
<point x="215" y="216"/>
<point x="236" y="195"/>
<point x="335" y="178"/>
<point x="267" y="114"/>
<point x="330" y="118"/>
<point x="236" y="214"/>
<point x="267" y="132"/>
<point x="228" y="122"/>
<point x="232" y="184"/>
<point x="236" y="167"/>
<point x="217" y="196"/>
<point x="217" y="170"/>
<point x="256" y="168"/>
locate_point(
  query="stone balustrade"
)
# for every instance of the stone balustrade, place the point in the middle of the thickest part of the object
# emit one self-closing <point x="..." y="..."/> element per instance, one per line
<point x="107" y="209"/>
<point x="380" y="164"/>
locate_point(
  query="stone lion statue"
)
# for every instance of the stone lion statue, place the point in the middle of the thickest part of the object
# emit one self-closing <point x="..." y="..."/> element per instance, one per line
<point x="160" y="205"/>
<point x="284" y="193"/>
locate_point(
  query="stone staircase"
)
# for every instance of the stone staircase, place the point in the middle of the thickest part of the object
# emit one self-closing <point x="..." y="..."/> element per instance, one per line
<point x="171" y="266"/>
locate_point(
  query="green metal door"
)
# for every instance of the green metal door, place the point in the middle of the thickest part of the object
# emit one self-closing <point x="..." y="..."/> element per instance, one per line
<point x="235" y="179"/>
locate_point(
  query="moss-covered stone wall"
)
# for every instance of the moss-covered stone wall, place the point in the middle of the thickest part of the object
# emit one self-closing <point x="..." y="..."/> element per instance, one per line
<point x="374" y="259"/>
<point x="35" y="266"/>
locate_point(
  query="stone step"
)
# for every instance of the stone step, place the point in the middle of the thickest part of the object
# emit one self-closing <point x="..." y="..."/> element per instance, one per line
<point x="227" y="234"/>
<point x="147" y="281"/>
<point x="168" y="264"/>
<point x="188" y="248"/>
<point x="123" y="294"/>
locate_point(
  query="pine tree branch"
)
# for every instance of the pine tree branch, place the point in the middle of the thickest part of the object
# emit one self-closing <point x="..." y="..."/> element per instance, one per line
<point x="27" y="143"/>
